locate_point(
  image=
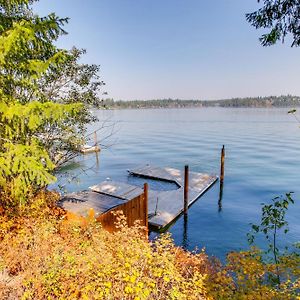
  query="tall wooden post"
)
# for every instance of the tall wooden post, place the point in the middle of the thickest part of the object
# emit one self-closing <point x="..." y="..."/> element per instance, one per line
<point x="221" y="178"/>
<point x="186" y="190"/>
<point x="146" y="207"/>
<point x="222" y="164"/>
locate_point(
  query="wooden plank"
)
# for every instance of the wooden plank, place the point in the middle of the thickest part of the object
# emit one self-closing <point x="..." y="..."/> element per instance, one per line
<point x="133" y="210"/>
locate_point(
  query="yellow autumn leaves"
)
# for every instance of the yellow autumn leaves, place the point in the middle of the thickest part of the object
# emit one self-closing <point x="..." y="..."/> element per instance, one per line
<point x="45" y="256"/>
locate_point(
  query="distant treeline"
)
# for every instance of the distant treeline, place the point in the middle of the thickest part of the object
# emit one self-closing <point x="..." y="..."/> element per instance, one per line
<point x="272" y="101"/>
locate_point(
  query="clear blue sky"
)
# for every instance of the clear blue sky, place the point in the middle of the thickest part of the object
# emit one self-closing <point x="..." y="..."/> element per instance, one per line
<point x="188" y="49"/>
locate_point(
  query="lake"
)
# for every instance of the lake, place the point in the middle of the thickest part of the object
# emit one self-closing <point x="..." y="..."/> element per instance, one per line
<point x="262" y="161"/>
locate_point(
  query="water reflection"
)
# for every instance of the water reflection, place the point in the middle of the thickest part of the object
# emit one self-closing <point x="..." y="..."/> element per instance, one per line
<point x="97" y="160"/>
<point x="220" y="197"/>
<point x="185" y="242"/>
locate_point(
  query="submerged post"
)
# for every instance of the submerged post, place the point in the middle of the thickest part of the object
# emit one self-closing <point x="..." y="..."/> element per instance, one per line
<point x="146" y="206"/>
<point x="95" y="138"/>
<point x="186" y="189"/>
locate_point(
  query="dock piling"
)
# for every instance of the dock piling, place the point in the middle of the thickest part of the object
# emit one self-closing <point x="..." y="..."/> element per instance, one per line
<point x="222" y="164"/>
<point x="186" y="189"/>
<point x="221" y="178"/>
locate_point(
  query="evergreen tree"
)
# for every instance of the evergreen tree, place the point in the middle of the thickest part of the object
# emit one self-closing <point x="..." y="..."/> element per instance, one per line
<point x="282" y="17"/>
<point x="26" y="54"/>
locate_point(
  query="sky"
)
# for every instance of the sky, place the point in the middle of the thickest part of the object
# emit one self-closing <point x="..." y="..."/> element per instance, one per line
<point x="186" y="49"/>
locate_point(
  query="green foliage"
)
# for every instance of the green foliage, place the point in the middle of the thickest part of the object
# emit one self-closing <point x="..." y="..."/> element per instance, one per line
<point x="70" y="82"/>
<point x="27" y="53"/>
<point x="45" y="98"/>
<point x="248" y="276"/>
<point x="24" y="163"/>
<point x="272" y="221"/>
<point x="281" y="17"/>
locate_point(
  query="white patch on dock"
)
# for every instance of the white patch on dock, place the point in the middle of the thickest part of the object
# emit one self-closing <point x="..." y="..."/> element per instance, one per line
<point x="117" y="189"/>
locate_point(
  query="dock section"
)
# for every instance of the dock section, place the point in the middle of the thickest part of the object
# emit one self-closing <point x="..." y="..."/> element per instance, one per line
<point x="114" y="197"/>
<point x="165" y="206"/>
<point x="118" y="190"/>
<point x="81" y="202"/>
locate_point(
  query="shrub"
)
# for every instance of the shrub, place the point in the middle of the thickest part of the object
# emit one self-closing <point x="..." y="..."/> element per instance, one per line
<point x="70" y="259"/>
<point x="46" y="254"/>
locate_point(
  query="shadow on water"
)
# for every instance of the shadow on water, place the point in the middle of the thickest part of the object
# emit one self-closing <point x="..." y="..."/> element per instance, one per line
<point x="71" y="166"/>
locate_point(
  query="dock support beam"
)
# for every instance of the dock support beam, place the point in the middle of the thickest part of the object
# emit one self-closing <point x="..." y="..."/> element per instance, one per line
<point x="146" y="207"/>
<point x="186" y="190"/>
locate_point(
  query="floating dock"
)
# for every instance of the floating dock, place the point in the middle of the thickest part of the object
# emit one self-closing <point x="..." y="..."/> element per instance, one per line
<point x="163" y="206"/>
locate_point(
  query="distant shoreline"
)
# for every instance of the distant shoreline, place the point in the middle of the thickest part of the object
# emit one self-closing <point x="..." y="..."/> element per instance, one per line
<point x="258" y="102"/>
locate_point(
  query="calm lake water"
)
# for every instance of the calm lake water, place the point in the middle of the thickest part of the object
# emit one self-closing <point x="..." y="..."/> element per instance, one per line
<point x="262" y="161"/>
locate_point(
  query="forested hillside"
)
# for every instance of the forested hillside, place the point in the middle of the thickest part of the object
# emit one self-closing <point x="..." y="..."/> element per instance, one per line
<point x="272" y="101"/>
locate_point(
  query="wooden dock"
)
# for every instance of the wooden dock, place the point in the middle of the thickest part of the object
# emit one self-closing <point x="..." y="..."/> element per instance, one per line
<point x="165" y="206"/>
<point x="133" y="204"/>
<point x="156" y="208"/>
